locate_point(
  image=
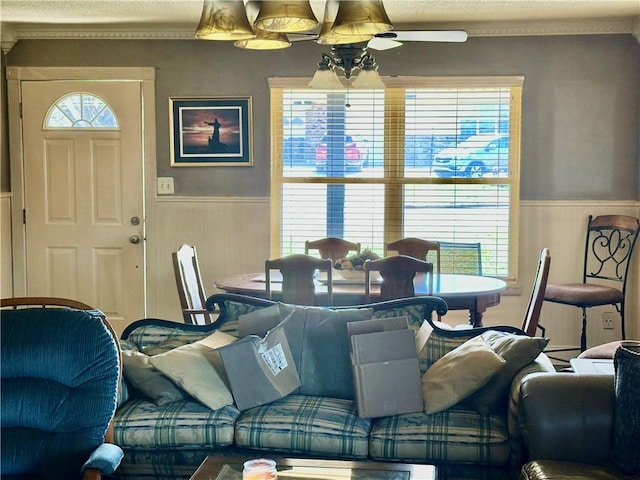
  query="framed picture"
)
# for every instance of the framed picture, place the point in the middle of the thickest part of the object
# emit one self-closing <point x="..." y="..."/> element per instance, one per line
<point x="210" y="132"/>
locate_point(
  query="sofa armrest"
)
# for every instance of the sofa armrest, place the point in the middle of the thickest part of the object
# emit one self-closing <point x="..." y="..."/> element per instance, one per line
<point x="106" y="459"/>
<point x="541" y="365"/>
<point x="564" y="416"/>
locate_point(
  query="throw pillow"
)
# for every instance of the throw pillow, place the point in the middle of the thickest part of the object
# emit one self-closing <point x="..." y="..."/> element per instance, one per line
<point x="627" y="408"/>
<point x="166" y="346"/>
<point x="193" y="367"/>
<point x="149" y="381"/>
<point x="458" y="374"/>
<point x="518" y="351"/>
<point x="326" y="364"/>
<point x="320" y="348"/>
<point x="259" y="322"/>
<point x="214" y="341"/>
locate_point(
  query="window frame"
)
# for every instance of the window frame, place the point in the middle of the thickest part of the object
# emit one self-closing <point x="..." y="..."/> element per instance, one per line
<point x="394" y="178"/>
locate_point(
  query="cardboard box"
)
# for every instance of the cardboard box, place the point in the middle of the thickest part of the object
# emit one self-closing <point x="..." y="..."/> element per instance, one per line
<point x="260" y="370"/>
<point x="385" y="367"/>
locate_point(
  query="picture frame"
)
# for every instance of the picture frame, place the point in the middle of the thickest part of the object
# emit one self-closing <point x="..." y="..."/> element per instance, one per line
<point x="210" y="131"/>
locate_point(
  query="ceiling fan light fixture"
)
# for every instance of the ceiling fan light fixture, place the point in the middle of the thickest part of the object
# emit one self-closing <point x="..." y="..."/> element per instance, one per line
<point x="286" y="16"/>
<point x="224" y="20"/>
<point x="264" y="41"/>
<point x="327" y="36"/>
<point x="325" y="78"/>
<point x="368" y="76"/>
<point x="362" y="17"/>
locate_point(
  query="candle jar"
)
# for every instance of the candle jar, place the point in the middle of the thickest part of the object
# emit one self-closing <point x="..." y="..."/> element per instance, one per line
<point x="259" y="469"/>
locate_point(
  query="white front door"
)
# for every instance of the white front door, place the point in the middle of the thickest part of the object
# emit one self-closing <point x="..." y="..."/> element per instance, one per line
<point x="83" y="188"/>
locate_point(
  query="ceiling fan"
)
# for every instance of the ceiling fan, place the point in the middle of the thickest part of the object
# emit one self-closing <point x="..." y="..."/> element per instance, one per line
<point x="275" y="24"/>
<point x="394" y="39"/>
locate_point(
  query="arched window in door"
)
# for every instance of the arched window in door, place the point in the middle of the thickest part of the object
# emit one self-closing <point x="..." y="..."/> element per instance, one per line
<point x="80" y="110"/>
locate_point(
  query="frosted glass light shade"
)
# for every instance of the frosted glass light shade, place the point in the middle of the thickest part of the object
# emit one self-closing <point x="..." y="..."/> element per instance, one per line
<point x="361" y="18"/>
<point x="224" y="20"/>
<point x="286" y="17"/>
<point x="325" y="80"/>
<point x="368" y="79"/>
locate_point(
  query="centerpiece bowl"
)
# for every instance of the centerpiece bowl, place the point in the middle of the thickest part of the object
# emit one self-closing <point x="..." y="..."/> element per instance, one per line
<point x="352" y="268"/>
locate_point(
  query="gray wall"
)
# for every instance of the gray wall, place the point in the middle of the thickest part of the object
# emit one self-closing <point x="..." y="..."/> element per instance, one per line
<point x="581" y="100"/>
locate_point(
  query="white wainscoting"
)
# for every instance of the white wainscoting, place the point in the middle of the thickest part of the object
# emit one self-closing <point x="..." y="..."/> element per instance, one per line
<point x="6" y="266"/>
<point x="232" y="236"/>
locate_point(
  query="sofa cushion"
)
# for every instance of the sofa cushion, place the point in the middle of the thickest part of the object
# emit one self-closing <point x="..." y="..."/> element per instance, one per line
<point x="414" y="314"/>
<point x="453" y="435"/>
<point x="301" y="424"/>
<point x="458" y="374"/>
<point x="181" y="425"/>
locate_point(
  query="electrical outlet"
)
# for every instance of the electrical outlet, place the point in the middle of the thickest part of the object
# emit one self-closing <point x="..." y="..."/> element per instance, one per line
<point x="607" y="320"/>
<point x="165" y="186"/>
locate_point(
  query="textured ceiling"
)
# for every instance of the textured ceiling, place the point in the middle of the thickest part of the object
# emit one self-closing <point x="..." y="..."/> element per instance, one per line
<point x="409" y="12"/>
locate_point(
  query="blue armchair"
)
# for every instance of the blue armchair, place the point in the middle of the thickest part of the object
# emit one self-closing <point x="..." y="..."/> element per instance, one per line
<point x="60" y="374"/>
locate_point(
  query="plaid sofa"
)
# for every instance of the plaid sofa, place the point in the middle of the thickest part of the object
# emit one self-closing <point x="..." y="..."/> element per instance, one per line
<point x="170" y="441"/>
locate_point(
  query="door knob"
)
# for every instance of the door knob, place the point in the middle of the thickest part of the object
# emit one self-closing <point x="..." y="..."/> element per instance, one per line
<point x="134" y="239"/>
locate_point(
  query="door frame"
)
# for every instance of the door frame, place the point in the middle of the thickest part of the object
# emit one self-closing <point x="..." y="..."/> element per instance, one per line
<point x="146" y="77"/>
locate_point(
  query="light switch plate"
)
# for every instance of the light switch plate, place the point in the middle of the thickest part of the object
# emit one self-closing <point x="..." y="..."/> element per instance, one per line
<point x="165" y="186"/>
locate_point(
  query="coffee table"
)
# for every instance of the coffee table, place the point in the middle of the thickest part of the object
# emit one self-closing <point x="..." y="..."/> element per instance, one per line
<point x="230" y="468"/>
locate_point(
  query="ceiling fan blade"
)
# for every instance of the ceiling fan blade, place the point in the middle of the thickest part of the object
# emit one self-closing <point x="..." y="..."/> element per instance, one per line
<point x="377" y="43"/>
<point x="299" y="37"/>
<point x="425" y="35"/>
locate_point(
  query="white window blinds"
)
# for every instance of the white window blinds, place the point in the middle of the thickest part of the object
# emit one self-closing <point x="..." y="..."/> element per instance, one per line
<point x="435" y="158"/>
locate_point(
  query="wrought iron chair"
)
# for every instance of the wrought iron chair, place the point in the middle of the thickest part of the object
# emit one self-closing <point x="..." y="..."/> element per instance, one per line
<point x="397" y="274"/>
<point x="191" y="291"/>
<point x="415" y="247"/>
<point x="298" y="282"/>
<point x="609" y="245"/>
<point x="331" y="247"/>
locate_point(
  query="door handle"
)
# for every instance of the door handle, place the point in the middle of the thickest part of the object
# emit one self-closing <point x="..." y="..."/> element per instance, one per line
<point x="134" y="239"/>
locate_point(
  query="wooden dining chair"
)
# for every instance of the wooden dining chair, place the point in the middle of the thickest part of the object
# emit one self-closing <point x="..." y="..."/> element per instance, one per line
<point x="298" y="282"/>
<point x="415" y="247"/>
<point x="331" y="247"/>
<point x="461" y="258"/>
<point x="190" y="288"/>
<point x="531" y="320"/>
<point x="397" y="274"/>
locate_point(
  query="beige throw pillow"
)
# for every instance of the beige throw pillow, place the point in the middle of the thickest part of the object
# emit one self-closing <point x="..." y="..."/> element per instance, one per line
<point x="148" y="380"/>
<point x="193" y="367"/>
<point x="518" y="351"/>
<point x="458" y="374"/>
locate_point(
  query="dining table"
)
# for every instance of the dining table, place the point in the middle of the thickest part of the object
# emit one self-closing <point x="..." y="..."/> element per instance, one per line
<point x="474" y="293"/>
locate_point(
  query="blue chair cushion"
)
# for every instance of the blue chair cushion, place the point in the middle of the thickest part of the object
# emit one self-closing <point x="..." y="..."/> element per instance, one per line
<point x="59" y="380"/>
